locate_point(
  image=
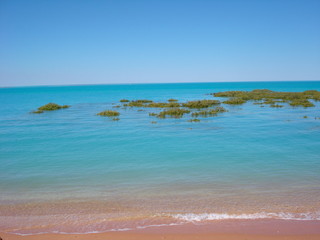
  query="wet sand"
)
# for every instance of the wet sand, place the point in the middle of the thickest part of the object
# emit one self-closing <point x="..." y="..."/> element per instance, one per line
<point x="151" y="236"/>
<point x="222" y="230"/>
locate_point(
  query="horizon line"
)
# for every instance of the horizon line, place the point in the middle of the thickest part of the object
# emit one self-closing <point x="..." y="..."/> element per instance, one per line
<point x="141" y="83"/>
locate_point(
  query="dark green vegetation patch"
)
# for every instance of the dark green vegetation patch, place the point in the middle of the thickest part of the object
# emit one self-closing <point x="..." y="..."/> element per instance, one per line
<point x="175" y="113"/>
<point x="201" y="103"/>
<point x="276" y="105"/>
<point x="50" y="107"/>
<point x="152" y="104"/>
<point x="194" y="120"/>
<point x="108" y="113"/>
<point x="234" y="101"/>
<point x="271" y="97"/>
<point x="137" y="103"/>
<point x="209" y="113"/>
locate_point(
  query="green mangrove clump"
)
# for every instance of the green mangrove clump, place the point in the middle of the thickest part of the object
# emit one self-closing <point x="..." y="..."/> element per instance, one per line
<point x="208" y="113"/>
<point x="163" y="105"/>
<point x="37" y="111"/>
<point x="174" y="112"/>
<point x="271" y="97"/>
<point x="143" y="101"/>
<point x="124" y="100"/>
<point x="50" y="107"/>
<point x="201" y="103"/>
<point x="134" y="104"/>
<point x="172" y="100"/>
<point x="108" y="113"/>
<point x="194" y="120"/>
<point x="301" y="102"/>
<point x="234" y="101"/>
<point x="115" y="119"/>
<point x="276" y="105"/>
<point x="269" y="101"/>
<point x="151" y="104"/>
<point x="137" y="103"/>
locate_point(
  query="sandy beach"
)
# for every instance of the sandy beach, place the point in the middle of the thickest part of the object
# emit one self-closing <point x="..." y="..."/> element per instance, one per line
<point x="224" y="230"/>
<point x="150" y="236"/>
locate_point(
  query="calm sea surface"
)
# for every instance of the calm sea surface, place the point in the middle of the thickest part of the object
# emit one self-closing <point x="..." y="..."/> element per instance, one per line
<point x="72" y="171"/>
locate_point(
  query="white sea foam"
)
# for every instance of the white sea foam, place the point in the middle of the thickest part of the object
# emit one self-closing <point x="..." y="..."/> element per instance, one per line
<point x="192" y="217"/>
<point x="181" y="219"/>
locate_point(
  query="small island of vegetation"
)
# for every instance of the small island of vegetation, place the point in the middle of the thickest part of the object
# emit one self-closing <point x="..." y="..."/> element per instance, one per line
<point x="109" y="113"/>
<point x="175" y="113"/>
<point x="271" y="97"/>
<point x="207" y="108"/>
<point x="201" y="103"/>
<point x="208" y="113"/>
<point x="50" y="107"/>
<point x="194" y="120"/>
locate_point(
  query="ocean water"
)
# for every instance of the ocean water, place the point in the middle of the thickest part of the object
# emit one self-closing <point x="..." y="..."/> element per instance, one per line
<point x="73" y="171"/>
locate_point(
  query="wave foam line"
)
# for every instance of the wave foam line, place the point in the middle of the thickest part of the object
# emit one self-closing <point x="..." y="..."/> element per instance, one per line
<point x="192" y="217"/>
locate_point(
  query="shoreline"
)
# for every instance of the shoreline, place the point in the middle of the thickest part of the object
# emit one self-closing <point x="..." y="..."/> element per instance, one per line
<point x="225" y="229"/>
<point x="150" y="236"/>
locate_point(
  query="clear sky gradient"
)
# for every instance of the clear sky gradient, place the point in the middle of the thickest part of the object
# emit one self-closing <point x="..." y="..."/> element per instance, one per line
<point x="146" y="41"/>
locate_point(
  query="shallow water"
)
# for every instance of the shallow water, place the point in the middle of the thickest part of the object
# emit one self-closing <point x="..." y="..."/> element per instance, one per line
<point x="252" y="161"/>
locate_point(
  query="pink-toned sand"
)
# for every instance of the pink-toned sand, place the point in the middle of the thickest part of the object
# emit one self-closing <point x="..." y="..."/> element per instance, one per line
<point x="151" y="236"/>
<point x="222" y="230"/>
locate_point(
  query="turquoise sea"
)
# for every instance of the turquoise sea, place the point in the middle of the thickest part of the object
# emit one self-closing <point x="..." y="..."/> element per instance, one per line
<point x="73" y="171"/>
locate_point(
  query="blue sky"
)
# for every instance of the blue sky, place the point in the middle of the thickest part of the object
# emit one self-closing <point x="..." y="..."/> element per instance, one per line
<point x="146" y="41"/>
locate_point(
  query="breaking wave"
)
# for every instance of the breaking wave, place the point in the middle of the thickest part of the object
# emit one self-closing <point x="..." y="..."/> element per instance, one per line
<point x="192" y="217"/>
